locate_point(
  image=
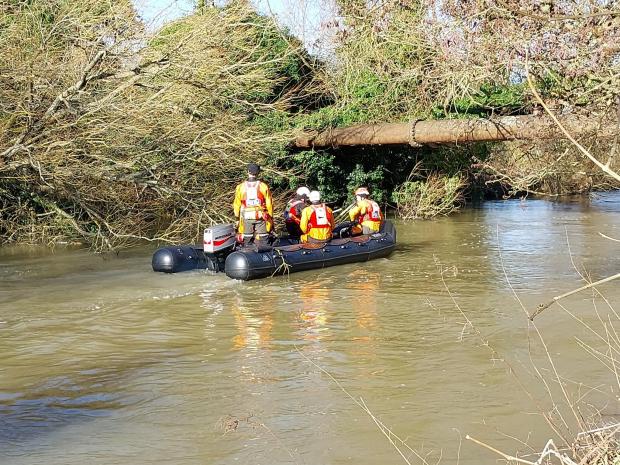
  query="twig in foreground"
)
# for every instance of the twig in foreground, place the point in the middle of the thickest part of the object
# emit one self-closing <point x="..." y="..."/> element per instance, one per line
<point x="549" y="450"/>
<point x="542" y="307"/>
<point x="385" y="430"/>
<point x="610" y="238"/>
<point x="605" y="168"/>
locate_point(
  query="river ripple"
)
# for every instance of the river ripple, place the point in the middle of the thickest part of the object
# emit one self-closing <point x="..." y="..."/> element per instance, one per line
<point x="103" y="361"/>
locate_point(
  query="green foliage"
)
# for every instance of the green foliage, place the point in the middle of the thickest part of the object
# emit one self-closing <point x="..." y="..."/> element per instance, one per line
<point x="326" y="172"/>
<point x="169" y="35"/>
<point x="488" y="100"/>
<point x="434" y="196"/>
<point x="273" y="121"/>
<point x="372" y="178"/>
<point x="553" y="85"/>
<point x="364" y="92"/>
<point x="320" y="172"/>
<point x="380" y="65"/>
<point x="337" y="173"/>
<point x="257" y="62"/>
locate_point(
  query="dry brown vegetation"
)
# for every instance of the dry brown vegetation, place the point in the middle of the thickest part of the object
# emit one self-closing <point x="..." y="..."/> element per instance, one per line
<point x="110" y="136"/>
<point x="551" y="168"/>
<point x="403" y="60"/>
<point x="429" y="196"/>
<point x="461" y="56"/>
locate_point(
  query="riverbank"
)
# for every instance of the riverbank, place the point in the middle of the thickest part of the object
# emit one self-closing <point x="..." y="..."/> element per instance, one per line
<point x="109" y="143"/>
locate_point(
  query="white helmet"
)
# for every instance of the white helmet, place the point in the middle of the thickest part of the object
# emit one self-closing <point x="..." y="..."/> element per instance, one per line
<point x="315" y="196"/>
<point x="303" y="190"/>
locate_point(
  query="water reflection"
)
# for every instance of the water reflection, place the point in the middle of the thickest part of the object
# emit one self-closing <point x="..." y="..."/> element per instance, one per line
<point x="314" y="307"/>
<point x="364" y="287"/>
<point x="254" y="321"/>
<point x="538" y="239"/>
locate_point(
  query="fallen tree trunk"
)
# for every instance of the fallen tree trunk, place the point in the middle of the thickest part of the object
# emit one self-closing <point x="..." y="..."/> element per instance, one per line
<point x="455" y="131"/>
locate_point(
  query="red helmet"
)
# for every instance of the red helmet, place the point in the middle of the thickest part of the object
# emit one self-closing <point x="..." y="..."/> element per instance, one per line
<point x="362" y="191"/>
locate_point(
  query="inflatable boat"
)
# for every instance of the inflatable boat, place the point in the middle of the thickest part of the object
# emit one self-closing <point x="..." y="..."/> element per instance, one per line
<point x="284" y="256"/>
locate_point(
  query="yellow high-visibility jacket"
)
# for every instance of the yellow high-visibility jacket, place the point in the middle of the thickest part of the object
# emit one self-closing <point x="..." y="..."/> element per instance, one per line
<point x="367" y="213"/>
<point x="253" y="202"/>
<point x="317" y="222"/>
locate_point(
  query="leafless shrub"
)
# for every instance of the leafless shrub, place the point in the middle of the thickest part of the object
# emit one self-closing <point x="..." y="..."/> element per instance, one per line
<point x="549" y="168"/>
<point x="110" y="137"/>
<point x="433" y="196"/>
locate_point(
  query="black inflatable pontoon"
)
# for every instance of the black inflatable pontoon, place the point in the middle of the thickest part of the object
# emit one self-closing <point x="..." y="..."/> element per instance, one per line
<point x="175" y="259"/>
<point x="251" y="262"/>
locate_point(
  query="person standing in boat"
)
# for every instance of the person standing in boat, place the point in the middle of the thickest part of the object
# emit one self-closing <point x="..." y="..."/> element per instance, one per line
<point x="317" y="220"/>
<point x="366" y="213"/>
<point x="253" y="207"/>
<point x="292" y="213"/>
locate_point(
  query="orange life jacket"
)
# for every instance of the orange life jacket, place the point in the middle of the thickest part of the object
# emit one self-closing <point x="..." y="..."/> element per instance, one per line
<point x="373" y="213"/>
<point x="252" y="200"/>
<point x="321" y="217"/>
<point x="293" y="211"/>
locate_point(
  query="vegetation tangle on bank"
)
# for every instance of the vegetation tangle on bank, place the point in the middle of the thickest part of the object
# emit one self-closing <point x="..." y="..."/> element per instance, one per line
<point x="111" y="134"/>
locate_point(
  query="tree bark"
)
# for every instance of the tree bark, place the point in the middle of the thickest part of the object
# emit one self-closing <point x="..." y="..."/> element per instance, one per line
<point x="454" y="131"/>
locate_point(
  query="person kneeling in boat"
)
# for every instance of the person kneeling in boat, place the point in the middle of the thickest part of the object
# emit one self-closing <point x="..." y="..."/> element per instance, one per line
<point x="317" y="220"/>
<point x="253" y="207"/>
<point x="366" y="214"/>
<point x="292" y="213"/>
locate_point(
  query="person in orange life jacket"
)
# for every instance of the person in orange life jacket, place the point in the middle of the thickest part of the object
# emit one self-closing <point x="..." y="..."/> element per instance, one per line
<point x="317" y="220"/>
<point x="292" y="213"/>
<point x="253" y="207"/>
<point x="366" y="213"/>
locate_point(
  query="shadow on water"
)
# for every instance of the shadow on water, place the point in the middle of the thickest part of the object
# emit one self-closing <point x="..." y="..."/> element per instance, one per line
<point x="65" y="400"/>
<point x="412" y="246"/>
<point x="56" y="403"/>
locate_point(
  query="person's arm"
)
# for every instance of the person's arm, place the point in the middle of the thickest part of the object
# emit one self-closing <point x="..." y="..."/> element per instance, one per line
<point x="332" y="221"/>
<point x="365" y="209"/>
<point x="354" y="213"/>
<point x="268" y="200"/>
<point x="303" y="224"/>
<point x="296" y="217"/>
<point x="237" y="201"/>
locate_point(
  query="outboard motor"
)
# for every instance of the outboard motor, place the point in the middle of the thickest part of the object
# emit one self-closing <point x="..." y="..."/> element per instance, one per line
<point x="218" y="243"/>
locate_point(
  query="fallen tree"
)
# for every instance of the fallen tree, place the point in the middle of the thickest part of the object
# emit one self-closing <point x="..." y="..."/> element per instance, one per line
<point x="455" y="131"/>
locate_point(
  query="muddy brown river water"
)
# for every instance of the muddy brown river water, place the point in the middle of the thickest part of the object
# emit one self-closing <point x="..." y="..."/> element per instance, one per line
<point x="103" y="361"/>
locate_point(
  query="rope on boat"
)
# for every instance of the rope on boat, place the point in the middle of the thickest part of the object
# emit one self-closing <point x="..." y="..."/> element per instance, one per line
<point x="286" y="266"/>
